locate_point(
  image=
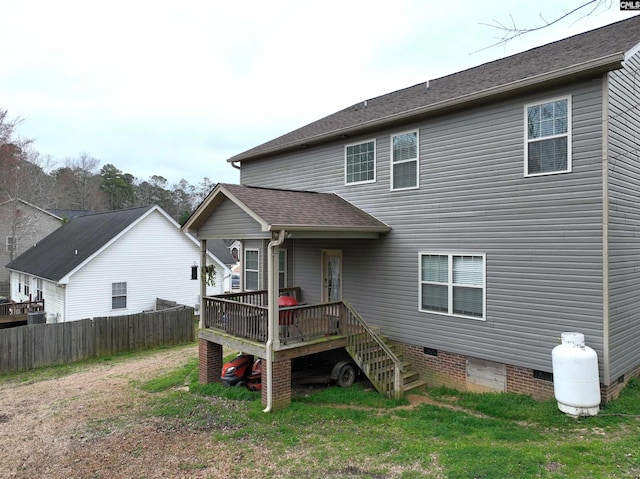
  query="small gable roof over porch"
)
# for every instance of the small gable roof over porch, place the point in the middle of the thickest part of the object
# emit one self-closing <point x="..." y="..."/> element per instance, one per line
<point x="236" y="211"/>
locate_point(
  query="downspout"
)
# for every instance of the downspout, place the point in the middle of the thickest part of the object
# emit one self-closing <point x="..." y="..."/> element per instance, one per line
<point x="272" y="335"/>
<point x="606" y="360"/>
<point x="203" y="284"/>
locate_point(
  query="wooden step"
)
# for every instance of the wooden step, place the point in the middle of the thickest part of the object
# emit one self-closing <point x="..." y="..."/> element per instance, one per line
<point x="414" y="385"/>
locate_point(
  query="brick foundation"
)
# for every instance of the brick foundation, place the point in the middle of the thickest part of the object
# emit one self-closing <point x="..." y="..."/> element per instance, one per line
<point x="281" y="395"/>
<point x="449" y="369"/>
<point x="209" y="362"/>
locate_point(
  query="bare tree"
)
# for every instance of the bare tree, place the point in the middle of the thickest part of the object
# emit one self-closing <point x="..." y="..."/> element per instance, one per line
<point x="78" y="183"/>
<point x="510" y="31"/>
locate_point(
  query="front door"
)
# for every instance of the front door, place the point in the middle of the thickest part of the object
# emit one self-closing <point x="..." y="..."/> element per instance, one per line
<point x="331" y="275"/>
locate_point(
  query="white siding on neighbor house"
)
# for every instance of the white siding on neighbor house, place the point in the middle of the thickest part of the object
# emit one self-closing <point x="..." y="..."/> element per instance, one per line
<point x="154" y="258"/>
<point x="624" y="218"/>
<point x="54" y="301"/>
<point x="542" y="235"/>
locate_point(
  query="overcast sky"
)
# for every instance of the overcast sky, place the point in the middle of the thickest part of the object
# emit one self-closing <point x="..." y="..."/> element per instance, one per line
<point x="176" y="88"/>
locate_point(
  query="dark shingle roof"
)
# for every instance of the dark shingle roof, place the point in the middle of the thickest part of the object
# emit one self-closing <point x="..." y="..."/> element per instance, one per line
<point x="74" y="242"/>
<point x="581" y="54"/>
<point x="68" y="214"/>
<point x="220" y="250"/>
<point x="295" y="210"/>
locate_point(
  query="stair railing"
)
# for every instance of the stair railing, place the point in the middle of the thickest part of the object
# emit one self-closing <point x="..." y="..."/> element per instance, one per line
<point x="372" y="354"/>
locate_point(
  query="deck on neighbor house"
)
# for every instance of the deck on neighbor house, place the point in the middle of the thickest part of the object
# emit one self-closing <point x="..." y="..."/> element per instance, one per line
<point x="15" y="314"/>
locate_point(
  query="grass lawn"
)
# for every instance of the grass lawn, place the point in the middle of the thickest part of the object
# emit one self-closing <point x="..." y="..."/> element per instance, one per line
<point x="357" y="433"/>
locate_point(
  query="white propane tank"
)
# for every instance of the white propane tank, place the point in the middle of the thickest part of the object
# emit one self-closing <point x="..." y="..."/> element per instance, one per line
<point x="576" y="383"/>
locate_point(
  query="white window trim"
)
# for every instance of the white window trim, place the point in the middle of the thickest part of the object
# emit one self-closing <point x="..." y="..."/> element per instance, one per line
<point x="568" y="135"/>
<point x="244" y="276"/>
<point x="417" y="160"/>
<point x="450" y="284"/>
<point x="375" y="158"/>
<point x="125" y="296"/>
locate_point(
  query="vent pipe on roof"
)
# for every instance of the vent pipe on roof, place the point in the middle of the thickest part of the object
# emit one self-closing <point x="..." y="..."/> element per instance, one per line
<point x="427" y="85"/>
<point x="365" y="103"/>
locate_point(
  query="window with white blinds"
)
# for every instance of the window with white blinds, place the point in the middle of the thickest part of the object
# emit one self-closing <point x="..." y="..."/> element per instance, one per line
<point x="548" y="137"/>
<point x="453" y="284"/>
<point x="404" y="161"/>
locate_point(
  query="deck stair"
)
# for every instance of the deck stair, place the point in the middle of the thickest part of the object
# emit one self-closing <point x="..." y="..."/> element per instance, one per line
<point x="378" y="358"/>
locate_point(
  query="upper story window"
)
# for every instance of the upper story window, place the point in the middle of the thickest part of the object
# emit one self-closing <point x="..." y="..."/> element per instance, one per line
<point x="360" y="163"/>
<point x="251" y="270"/>
<point x="453" y="284"/>
<point x="118" y="295"/>
<point x="404" y="161"/>
<point x="548" y="137"/>
<point x="11" y="244"/>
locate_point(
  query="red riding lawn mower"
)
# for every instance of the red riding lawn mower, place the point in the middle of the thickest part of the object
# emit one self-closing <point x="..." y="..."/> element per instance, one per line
<point x="243" y="371"/>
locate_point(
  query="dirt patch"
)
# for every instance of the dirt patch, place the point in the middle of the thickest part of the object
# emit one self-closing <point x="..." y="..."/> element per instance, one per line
<point x="65" y="428"/>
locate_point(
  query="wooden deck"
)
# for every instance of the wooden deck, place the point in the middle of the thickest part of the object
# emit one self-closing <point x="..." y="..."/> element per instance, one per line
<point x="240" y="321"/>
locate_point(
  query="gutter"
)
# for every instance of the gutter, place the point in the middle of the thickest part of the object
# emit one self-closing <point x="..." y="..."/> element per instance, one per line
<point x="606" y="360"/>
<point x="272" y="336"/>
<point x="602" y="64"/>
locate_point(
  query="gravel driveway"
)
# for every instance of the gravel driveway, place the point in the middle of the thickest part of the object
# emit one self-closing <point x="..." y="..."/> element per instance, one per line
<point x="87" y="425"/>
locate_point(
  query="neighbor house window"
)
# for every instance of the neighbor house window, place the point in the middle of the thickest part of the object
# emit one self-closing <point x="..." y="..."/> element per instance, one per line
<point x="360" y="162"/>
<point x="251" y="270"/>
<point x="39" y="287"/>
<point x="548" y="139"/>
<point x="11" y="244"/>
<point x="118" y="295"/>
<point x="453" y="284"/>
<point x="404" y="161"/>
<point x="26" y="282"/>
<point x="282" y="268"/>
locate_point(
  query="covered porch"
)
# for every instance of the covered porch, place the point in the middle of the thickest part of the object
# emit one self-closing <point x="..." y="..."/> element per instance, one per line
<point x="252" y="321"/>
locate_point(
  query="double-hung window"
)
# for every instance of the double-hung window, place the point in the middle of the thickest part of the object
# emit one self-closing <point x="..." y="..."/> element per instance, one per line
<point x="453" y="284"/>
<point x="11" y="244"/>
<point x="548" y="137"/>
<point x="360" y="163"/>
<point x="27" y="288"/>
<point x="251" y="270"/>
<point x="118" y="295"/>
<point x="404" y="161"/>
<point x="39" y="288"/>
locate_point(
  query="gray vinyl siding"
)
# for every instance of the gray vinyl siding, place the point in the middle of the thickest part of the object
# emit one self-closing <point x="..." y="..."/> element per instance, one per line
<point x="624" y="218"/>
<point x="542" y="236"/>
<point x="230" y="221"/>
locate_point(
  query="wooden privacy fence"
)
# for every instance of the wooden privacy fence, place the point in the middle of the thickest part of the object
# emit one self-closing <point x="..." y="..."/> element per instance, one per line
<point x="37" y="345"/>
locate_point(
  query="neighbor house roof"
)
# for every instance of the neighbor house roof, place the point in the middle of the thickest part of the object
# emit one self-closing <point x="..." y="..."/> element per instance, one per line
<point x="73" y="243"/>
<point x="68" y="213"/>
<point x="580" y="56"/>
<point x="26" y="203"/>
<point x="293" y="211"/>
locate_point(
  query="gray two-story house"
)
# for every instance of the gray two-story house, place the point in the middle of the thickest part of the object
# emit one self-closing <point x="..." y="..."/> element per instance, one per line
<point x="463" y="223"/>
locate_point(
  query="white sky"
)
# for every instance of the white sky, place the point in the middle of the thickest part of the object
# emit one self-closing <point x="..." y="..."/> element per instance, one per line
<point x="176" y="88"/>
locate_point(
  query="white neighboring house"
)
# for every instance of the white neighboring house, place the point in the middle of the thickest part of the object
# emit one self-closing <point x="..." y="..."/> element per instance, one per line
<point x="114" y="263"/>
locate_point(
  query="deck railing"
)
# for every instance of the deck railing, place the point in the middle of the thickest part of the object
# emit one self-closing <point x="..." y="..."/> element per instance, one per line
<point x="239" y="315"/>
<point x="7" y="309"/>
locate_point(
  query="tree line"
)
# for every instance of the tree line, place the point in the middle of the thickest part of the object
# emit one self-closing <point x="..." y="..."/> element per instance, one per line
<point x="80" y="183"/>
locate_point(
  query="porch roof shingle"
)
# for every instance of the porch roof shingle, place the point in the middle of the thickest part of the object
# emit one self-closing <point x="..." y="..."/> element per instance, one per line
<point x="293" y="211"/>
